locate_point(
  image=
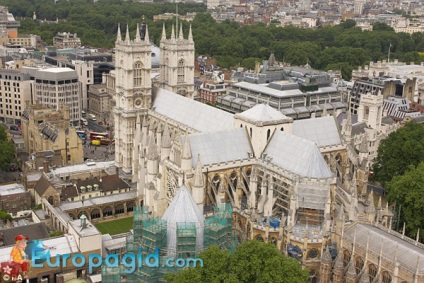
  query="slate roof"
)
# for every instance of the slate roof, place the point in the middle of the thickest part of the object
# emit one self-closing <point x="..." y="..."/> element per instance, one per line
<point x="218" y="147"/>
<point x="35" y="231"/>
<point x="323" y="131"/>
<point x="407" y="253"/>
<point x="42" y="185"/>
<point x="199" y="116"/>
<point x="297" y="155"/>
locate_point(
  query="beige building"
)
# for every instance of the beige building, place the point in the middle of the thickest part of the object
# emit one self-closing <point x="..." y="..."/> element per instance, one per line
<point x="48" y="129"/>
<point x="99" y="101"/>
<point x="15" y="95"/>
<point x="64" y="40"/>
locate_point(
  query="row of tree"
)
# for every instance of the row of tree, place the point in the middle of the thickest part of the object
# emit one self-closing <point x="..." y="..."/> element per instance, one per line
<point x="342" y="47"/>
<point x="251" y="262"/>
<point x="7" y="149"/>
<point x="399" y="167"/>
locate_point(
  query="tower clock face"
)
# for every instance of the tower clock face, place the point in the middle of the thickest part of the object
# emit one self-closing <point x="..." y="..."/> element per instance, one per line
<point x="138" y="102"/>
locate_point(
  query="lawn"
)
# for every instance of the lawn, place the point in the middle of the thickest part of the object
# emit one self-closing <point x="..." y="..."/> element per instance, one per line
<point x="115" y="226"/>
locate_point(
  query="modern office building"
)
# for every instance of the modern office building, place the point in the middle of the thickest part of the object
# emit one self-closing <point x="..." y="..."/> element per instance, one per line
<point x="15" y="94"/>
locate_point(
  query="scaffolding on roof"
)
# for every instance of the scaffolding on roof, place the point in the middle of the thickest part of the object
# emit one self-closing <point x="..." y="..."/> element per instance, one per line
<point x="186" y="239"/>
<point x="218" y="228"/>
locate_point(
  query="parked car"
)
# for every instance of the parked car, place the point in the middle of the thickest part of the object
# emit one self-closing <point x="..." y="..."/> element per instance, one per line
<point x="14" y="128"/>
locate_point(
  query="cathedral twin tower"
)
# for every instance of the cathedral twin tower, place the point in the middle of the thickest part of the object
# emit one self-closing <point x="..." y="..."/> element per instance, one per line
<point x="133" y="81"/>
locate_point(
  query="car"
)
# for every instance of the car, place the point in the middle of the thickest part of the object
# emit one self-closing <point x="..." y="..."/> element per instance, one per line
<point x="14" y="128"/>
<point x="95" y="142"/>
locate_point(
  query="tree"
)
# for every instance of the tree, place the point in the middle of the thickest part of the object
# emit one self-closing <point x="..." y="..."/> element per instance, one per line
<point x="3" y="133"/>
<point x="251" y="262"/>
<point x="400" y="149"/>
<point x="382" y="26"/>
<point x="7" y="156"/>
<point x="407" y="191"/>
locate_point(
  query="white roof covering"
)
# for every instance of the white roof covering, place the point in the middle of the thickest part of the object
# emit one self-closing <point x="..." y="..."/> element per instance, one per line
<point x="217" y="147"/>
<point x="263" y="113"/>
<point x="72" y="169"/>
<point x="407" y="253"/>
<point x="183" y="209"/>
<point x="99" y="200"/>
<point x="312" y="196"/>
<point x="60" y="245"/>
<point x="196" y="115"/>
<point x="269" y="91"/>
<point x="297" y="155"/>
<point x="323" y="131"/>
<point x="11" y="189"/>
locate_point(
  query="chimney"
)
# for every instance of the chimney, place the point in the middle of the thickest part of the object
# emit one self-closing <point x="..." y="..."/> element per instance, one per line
<point x="46" y="166"/>
<point x="83" y="219"/>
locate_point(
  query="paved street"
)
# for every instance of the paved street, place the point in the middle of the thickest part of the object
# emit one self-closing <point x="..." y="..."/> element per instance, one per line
<point x="98" y="153"/>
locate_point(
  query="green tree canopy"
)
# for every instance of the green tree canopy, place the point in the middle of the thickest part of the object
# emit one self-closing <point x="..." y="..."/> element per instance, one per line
<point x="7" y="156"/>
<point x="400" y="149"/>
<point x="407" y="191"/>
<point x="3" y="133"/>
<point x="251" y="262"/>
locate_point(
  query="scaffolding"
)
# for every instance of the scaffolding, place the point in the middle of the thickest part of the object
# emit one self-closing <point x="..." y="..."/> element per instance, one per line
<point x="218" y="228"/>
<point x="186" y="239"/>
<point x="113" y="274"/>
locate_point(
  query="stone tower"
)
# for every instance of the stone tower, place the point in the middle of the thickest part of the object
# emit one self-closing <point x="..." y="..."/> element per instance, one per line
<point x="177" y="62"/>
<point x="132" y="92"/>
<point x="371" y="110"/>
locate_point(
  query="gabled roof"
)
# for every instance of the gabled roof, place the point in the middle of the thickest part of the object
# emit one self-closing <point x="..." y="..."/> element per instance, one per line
<point x="196" y="115"/>
<point x="218" y="147"/>
<point x="35" y="231"/>
<point x="297" y="155"/>
<point x="323" y="131"/>
<point x="263" y="114"/>
<point x="42" y="185"/>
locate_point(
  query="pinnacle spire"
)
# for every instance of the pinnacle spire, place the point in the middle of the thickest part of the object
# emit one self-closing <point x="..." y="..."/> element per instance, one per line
<point x="198" y="175"/>
<point x="172" y="33"/>
<point x="371" y="205"/>
<point x="163" y="33"/>
<point x="152" y="150"/>
<point x="137" y="34"/>
<point x="186" y="148"/>
<point x="190" y="34"/>
<point x="166" y="138"/>
<point x="379" y="203"/>
<point x="354" y="186"/>
<point x="118" y="35"/>
<point x="180" y="34"/>
<point x="146" y="36"/>
<point x="127" y="35"/>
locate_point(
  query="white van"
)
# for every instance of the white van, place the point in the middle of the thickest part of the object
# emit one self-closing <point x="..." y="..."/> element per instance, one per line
<point x="92" y="117"/>
<point x="84" y="121"/>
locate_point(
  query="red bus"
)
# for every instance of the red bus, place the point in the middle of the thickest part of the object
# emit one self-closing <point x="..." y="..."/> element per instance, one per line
<point x="94" y="135"/>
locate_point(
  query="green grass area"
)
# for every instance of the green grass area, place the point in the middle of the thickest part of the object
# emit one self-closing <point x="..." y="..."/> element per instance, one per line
<point x="115" y="226"/>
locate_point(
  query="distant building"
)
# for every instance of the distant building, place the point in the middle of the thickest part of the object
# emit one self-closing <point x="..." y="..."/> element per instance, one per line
<point x="66" y="40"/>
<point x="55" y="86"/>
<point x="99" y="101"/>
<point x="45" y="128"/>
<point x="15" y="95"/>
<point x="209" y="91"/>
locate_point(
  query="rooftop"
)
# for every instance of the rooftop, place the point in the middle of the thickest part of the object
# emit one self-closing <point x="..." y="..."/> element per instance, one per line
<point x="323" y="131"/>
<point x="84" y="231"/>
<point x="11" y="189"/>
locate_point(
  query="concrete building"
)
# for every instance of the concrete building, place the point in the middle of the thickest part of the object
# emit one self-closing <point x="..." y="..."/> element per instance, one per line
<point x="99" y="101"/>
<point x="55" y="86"/>
<point x="48" y="129"/>
<point x="66" y="40"/>
<point x="15" y="95"/>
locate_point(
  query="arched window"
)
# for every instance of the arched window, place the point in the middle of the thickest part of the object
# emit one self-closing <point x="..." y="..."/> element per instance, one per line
<point x="386" y="277"/>
<point x="259" y="238"/>
<point x="138" y="71"/>
<point x="95" y="213"/>
<point x="50" y="200"/>
<point x="282" y="129"/>
<point x="268" y="134"/>
<point x="241" y="125"/>
<point x="372" y="270"/>
<point x="346" y="258"/>
<point x="250" y="132"/>
<point x="181" y="76"/>
<point x="359" y="264"/>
